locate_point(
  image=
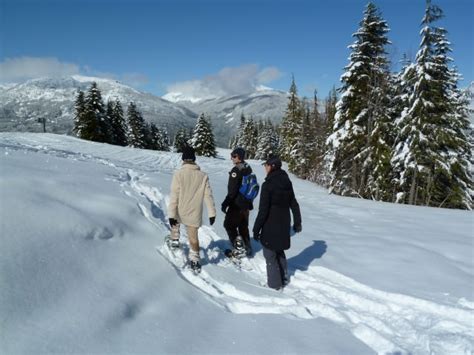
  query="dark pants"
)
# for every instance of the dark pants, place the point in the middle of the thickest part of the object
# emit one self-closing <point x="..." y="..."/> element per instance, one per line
<point x="236" y="223"/>
<point x="277" y="267"/>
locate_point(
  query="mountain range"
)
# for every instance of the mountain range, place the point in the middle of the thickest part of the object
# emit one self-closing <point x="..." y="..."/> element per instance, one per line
<point x="53" y="98"/>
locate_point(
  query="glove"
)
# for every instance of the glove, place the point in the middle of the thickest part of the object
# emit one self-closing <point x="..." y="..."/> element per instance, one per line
<point x="256" y="236"/>
<point x="224" y="208"/>
<point x="297" y="228"/>
<point x="173" y="222"/>
<point x="212" y="220"/>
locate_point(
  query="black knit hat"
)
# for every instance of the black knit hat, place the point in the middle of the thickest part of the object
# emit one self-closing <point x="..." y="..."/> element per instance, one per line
<point x="240" y="152"/>
<point x="188" y="153"/>
<point x="273" y="161"/>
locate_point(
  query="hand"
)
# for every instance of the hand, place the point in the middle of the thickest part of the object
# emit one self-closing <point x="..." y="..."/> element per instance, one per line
<point x="212" y="220"/>
<point x="256" y="236"/>
<point x="297" y="228"/>
<point x="224" y="208"/>
<point x="173" y="222"/>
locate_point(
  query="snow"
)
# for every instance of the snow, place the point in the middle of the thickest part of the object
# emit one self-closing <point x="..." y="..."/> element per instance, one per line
<point x="83" y="267"/>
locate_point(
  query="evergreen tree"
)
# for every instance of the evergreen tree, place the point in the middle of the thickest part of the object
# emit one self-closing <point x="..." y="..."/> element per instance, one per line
<point x="181" y="140"/>
<point x="235" y="141"/>
<point x="248" y="138"/>
<point x="109" y="122"/>
<point x="95" y="126"/>
<point x="80" y="107"/>
<point x="160" y="139"/>
<point x="303" y="148"/>
<point x="267" y="142"/>
<point x="290" y="128"/>
<point x="432" y="149"/>
<point x="359" y="109"/>
<point x="203" y="138"/>
<point x="136" y="127"/>
<point x="119" y="125"/>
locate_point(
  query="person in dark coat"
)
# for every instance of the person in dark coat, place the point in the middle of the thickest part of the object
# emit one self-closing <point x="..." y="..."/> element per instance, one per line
<point x="236" y="207"/>
<point x="273" y="222"/>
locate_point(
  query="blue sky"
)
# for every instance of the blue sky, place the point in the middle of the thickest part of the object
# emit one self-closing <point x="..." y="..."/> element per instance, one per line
<point x="209" y="45"/>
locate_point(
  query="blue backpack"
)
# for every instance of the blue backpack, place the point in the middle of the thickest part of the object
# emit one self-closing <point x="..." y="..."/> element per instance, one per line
<point x="249" y="188"/>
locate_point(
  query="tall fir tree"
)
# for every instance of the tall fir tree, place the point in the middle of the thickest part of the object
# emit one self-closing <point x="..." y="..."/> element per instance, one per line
<point x="136" y="127"/>
<point x="267" y="142"/>
<point x="181" y="140"/>
<point x="248" y="138"/>
<point x="119" y="125"/>
<point x="290" y="128"/>
<point x="432" y="149"/>
<point x="109" y="122"/>
<point x="79" y="108"/>
<point x="203" y="138"/>
<point x="360" y="108"/>
<point x="95" y="126"/>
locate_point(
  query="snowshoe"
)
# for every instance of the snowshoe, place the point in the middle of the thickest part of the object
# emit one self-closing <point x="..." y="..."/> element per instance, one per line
<point x="173" y="244"/>
<point x="239" y="248"/>
<point x="195" y="266"/>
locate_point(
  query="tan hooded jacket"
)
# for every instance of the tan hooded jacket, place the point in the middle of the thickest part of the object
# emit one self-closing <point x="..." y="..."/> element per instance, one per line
<point x="189" y="188"/>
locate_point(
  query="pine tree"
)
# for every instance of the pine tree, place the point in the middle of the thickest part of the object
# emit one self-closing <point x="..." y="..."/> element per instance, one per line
<point x="303" y="148"/>
<point x="80" y="107"/>
<point x="359" y="109"/>
<point x="290" y="127"/>
<point x="235" y="141"/>
<point x="203" y="138"/>
<point x="136" y="127"/>
<point x="119" y="125"/>
<point x="160" y="138"/>
<point x="248" y="138"/>
<point x="109" y="122"/>
<point x="95" y="126"/>
<point x="432" y="149"/>
<point x="181" y="140"/>
<point x="267" y="142"/>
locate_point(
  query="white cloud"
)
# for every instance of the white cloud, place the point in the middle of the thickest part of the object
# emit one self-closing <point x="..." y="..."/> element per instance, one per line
<point x="24" y="68"/>
<point x="228" y="81"/>
<point x="14" y="70"/>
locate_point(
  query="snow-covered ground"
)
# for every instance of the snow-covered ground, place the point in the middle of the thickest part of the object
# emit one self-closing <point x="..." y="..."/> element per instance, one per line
<point x="83" y="268"/>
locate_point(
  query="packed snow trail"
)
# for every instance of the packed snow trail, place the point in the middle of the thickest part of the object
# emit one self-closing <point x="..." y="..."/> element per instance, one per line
<point x="385" y="321"/>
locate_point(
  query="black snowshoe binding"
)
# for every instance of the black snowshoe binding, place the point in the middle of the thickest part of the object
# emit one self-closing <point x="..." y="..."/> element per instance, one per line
<point x="195" y="266"/>
<point x="173" y="244"/>
<point x="239" y="249"/>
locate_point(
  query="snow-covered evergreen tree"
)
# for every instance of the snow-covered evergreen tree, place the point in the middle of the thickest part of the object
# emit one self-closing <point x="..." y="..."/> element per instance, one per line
<point x="79" y="108"/>
<point x="248" y="138"/>
<point x="136" y="127"/>
<point x="290" y="129"/>
<point x="235" y="140"/>
<point x="432" y="149"/>
<point x="203" y="138"/>
<point x="109" y="122"/>
<point x="360" y="109"/>
<point x="267" y="142"/>
<point x="160" y="138"/>
<point x="95" y="126"/>
<point x="119" y="125"/>
<point x="181" y="140"/>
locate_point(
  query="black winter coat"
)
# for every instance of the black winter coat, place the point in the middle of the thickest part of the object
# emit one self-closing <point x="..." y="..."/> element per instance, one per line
<point x="234" y="198"/>
<point x="273" y="220"/>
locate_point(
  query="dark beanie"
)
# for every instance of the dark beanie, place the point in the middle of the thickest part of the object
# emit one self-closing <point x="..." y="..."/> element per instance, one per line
<point x="240" y="152"/>
<point x="188" y="153"/>
<point x="274" y="162"/>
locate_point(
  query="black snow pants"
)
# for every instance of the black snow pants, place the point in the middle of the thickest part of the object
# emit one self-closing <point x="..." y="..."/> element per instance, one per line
<point x="236" y="223"/>
<point x="277" y="268"/>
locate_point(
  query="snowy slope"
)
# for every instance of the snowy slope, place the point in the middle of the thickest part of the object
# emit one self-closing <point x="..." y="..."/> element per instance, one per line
<point x="83" y="268"/>
<point x="22" y="104"/>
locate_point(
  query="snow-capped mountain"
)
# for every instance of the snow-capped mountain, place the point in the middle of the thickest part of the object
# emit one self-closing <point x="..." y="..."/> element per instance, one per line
<point x="53" y="98"/>
<point x="225" y="112"/>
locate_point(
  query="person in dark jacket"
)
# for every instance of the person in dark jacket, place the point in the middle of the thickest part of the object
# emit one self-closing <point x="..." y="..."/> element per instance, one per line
<point x="273" y="222"/>
<point x="236" y="207"/>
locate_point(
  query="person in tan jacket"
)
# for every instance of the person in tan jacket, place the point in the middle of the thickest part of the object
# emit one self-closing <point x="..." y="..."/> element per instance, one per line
<point x="189" y="189"/>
